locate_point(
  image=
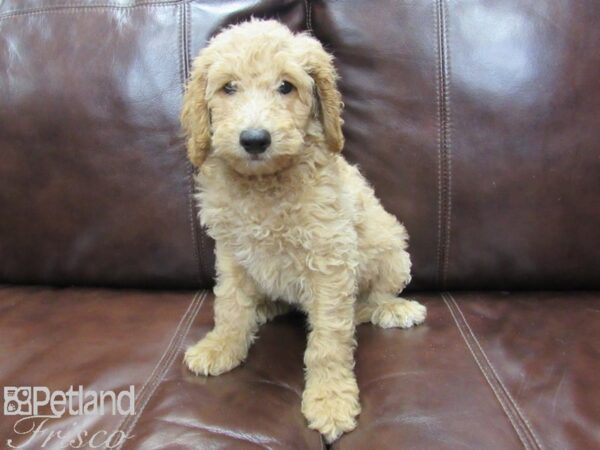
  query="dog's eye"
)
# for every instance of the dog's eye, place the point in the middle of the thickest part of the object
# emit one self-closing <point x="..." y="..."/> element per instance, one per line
<point x="229" y="88"/>
<point x="285" y="87"/>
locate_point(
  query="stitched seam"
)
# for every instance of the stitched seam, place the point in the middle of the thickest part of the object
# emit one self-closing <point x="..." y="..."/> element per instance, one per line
<point x="492" y="381"/>
<point x="487" y="378"/>
<point x="71" y="8"/>
<point x="443" y="117"/>
<point x="152" y="375"/>
<point x="156" y="367"/>
<point x="438" y="82"/>
<point x="308" y="7"/>
<point x="184" y="73"/>
<point x="161" y="368"/>
<point x="197" y="230"/>
<point x="439" y="135"/>
<point x="448" y="137"/>
<point x="506" y="391"/>
<point x="175" y="349"/>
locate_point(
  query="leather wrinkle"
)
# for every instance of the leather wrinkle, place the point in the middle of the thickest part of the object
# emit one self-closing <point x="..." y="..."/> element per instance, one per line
<point x="222" y="432"/>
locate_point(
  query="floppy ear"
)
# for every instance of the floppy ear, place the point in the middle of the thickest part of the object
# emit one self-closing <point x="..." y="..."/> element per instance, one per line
<point x="319" y="65"/>
<point x="195" y="117"/>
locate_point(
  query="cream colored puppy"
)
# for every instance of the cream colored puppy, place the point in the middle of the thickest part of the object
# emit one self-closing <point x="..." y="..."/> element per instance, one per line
<point x="293" y="222"/>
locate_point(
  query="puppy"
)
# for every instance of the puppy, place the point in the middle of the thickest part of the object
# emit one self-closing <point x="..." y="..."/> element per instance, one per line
<point x="294" y="223"/>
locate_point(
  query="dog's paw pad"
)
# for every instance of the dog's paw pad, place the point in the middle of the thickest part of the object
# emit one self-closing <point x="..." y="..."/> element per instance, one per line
<point x="399" y="313"/>
<point x="208" y="357"/>
<point x="331" y="412"/>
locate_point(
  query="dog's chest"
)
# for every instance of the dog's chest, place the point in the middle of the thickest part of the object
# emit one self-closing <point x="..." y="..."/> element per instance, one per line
<point x="273" y="242"/>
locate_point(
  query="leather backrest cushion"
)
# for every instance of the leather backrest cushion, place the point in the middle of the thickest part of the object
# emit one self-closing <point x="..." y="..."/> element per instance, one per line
<point x="475" y="120"/>
<point x="95" y="187"/>
<point x="478" y="123"/>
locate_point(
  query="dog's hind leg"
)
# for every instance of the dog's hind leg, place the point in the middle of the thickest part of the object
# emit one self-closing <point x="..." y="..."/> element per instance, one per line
<point x="389" y="311"/>
<point x="380" y="305"/>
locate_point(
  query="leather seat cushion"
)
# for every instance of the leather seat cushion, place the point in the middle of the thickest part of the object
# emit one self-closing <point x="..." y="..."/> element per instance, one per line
<point x="111" y="339"/>
<point x="494" y="370"/>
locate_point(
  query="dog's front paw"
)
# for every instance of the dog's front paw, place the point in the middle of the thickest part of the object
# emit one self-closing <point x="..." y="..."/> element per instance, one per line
<point x="214" y="355"/>
<point x="331" y="408"/>
<point x="399" y="313"/>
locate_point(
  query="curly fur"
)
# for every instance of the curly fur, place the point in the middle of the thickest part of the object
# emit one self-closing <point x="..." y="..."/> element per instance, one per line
<point x="298" y="224"/>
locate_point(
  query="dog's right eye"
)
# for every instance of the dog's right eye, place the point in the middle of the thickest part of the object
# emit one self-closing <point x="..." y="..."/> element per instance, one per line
<point x="285" y="87"/>
<point x="229" y="88"/>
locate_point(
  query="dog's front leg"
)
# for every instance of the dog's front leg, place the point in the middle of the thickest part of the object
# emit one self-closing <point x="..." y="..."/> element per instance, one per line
<point x="236" y="321"/>
<point x="330" y="400"/>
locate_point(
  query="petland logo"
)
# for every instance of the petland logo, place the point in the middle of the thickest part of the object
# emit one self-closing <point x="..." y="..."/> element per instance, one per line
<point x="38" y="405"/>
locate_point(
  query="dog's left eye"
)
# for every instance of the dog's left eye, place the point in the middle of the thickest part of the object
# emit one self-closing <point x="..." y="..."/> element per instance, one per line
<point x="285" y="87"/>
<point x="229" y="88"/>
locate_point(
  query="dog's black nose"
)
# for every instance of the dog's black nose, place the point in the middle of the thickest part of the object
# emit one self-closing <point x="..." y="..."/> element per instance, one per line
<point x="255" y="140"/>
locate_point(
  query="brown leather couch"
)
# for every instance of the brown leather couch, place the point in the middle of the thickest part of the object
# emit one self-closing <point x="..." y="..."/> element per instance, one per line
<point x="478" y="123"/>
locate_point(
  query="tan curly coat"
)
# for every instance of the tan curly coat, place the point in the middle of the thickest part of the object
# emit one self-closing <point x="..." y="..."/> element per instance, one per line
<point x="294" y="225"/>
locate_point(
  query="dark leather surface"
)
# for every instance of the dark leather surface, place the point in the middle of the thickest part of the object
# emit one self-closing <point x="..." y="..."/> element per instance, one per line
<point x="101" y="339"/>
<point x="420" y="389"/>
<point x="95" y="186"/>
<point x="525" y="111"/>
<point x="477" y="122"/>
<point x="487" y="370"/>
<point x="386" y="57"/>
<point x="489" y="159"/>
<point x="111" y="339"/>
<point x="254" y="406"/>
<point x="544" y="351"/>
